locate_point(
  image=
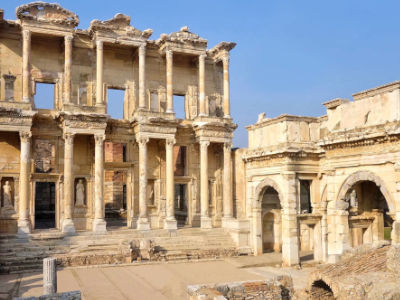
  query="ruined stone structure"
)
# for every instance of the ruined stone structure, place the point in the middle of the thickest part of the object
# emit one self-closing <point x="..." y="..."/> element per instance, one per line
<point x="71" y="166"/>
<point x="324" y="184"/>
<point x="321" y="184"/>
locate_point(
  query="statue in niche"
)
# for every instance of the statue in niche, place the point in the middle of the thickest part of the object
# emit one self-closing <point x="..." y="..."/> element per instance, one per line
<point x="7" y="197"/>
<point x="80" y="193"/>
<point x="353" y="199"/>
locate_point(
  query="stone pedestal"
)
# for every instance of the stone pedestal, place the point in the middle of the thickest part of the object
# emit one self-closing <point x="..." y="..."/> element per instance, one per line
<point x="67" y="226"/>
<point x="143" y="224"/>
<point x="170" y="224"/>
<point x="99" y="226"/>
<point x="206" y="222"/>
<point x="49" y="276"/>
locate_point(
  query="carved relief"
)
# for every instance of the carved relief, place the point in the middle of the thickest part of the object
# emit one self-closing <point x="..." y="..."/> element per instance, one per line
<point x="44" y="156"/>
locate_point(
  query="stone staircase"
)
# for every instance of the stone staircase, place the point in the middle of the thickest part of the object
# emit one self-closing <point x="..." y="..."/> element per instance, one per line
<point x="114" y="247"/>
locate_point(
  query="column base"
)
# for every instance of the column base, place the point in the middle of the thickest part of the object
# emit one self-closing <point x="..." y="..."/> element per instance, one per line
<point x="68" y="226"/>
<point x="227" y="222"/>
<point x="99" y="226"/>
<point x="290" y="252"/>
<point x="170" y="224"/>
<point x="24" y="228"/>
<point x="205" y="223"/>
<point x="26" y="100"/>
<point x="143" y="224"/>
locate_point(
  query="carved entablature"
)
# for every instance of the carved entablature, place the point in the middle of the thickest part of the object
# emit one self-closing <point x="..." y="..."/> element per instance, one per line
<point x="214" y="131"/>
<point x="46" y="16"/>
<point x="83" y="124"/>
<point x="261" y="159"/>
<point x="155" y="130"/>
<point x="15" y="119"/>
<point x="182" y="41"/>
<point x="119" y="30"/>
<point x="221" y="51"/>
<point x="358" y="137"/>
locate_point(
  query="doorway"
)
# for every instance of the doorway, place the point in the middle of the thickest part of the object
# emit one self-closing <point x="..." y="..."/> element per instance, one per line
<point x="180" y="204"/>
<point x="45" y="204"/>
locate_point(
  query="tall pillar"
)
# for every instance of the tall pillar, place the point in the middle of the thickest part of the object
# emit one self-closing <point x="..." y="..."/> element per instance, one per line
<point x="205" y="220"/>
<point x="67" y="223"/>
<point x="225" y="63"/>
<point x="99" y="72"/>
<point x="202" y="94"/>
<point x="290" y="231"/>
<point x="25" y="167"/>
<point x="395" y="234"/>
<point x="99" y="224"/>
<point x="143" y="221"/>
<point x="170" y="91"/>
<point x="227" y="185"/>
<point x="142" y="76"/>
<point x="67" y="68"/>
<point x="170" y="221"/>
<point x="26" y="72"/>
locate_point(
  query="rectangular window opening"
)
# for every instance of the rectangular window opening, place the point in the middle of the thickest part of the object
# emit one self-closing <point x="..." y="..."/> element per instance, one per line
<point x="179" y="106"/>
<point x="44" y="95"/>
<point x="115" y="103"/>
<point x="305" y="197"/>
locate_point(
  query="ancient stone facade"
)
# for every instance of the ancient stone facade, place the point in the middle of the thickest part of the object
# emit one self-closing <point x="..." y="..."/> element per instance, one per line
<point x="324" y="184"/>
<point x="72" y="167"/>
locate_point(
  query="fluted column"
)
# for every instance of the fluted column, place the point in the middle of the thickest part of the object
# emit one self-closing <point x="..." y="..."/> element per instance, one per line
<point x="67" y="223"/>
<point x="202" y="94"/>
<point x="227" y="185"/>
<point x="25" y="167"/>
<point x="26" y="68"/>
<point x="99" y="224"/>
<point x="170" y="91"/>
<point x="170" y="221"/>
<point x="204" y="194"/>
<point x="143" y="222"/>
<point x="99" y="72"/>
<point x="225" y="63"/>
<point x="67" y="68"/>
<point x="142" y="76"/>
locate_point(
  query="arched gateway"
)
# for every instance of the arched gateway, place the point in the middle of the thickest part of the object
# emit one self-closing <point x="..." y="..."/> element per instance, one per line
<point x="369" y="205"/>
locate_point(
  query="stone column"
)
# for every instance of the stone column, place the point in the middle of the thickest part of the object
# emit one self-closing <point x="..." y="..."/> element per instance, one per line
<point x="67" y="223"/>
<point x="99" y="72"/>
<point x="202" y="94"/>
<point x="227" y="185"/>
<point x="395" y="234"/>
<point x="257" y="229"/>
<point x="170" y="221"/>
<point x="170" y="91"/>
<point x="205" y="219"/>
<point x="290" y="231"/>
<point x="142" y="76"/>
<point x="225" y="63"/>
<point x="67" y="68"/>
<point x="143" y="222"/>
<point x="26" y="68"/>
<point x="49" y="276"/>
<point x="25" y="167"/>
<point x="99" y="224"/>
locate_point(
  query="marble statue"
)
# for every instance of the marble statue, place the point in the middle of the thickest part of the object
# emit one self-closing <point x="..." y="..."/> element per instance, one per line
<point x="80" y="193"/>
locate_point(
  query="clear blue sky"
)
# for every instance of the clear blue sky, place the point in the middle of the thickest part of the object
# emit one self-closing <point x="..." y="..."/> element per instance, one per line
<point x="290" y="56"/>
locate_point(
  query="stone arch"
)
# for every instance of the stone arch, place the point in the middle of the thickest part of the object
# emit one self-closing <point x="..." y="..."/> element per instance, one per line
<point x="267" y="182"/>
<point x="364" y="176"/>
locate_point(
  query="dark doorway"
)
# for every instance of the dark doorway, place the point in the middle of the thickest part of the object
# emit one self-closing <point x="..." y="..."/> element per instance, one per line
<point x="45" y="204"/>
<point x="181" y="204"/>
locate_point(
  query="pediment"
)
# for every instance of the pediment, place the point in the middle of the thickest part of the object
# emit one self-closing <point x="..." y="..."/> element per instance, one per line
<point x="42" y="12"/>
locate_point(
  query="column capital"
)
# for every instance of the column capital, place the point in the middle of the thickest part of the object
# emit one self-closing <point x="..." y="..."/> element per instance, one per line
<point x="204" y="144"/>
<point x="170" y="142"/>
<point x="99" y="44"/>
<point x="142" y="49"/>
<point x="202" y="56"/>
<point x="25" y="136"/>
<point x="169" y="54"/>
<point x="68" y="137"/>
<point x="26" y="34"/>
<point x="142" y="140"/>
<point x="99" y="138"/>
<point x="68" y="38"/>
<point x="225" y="58"/>
<point x="227" y="146"/>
